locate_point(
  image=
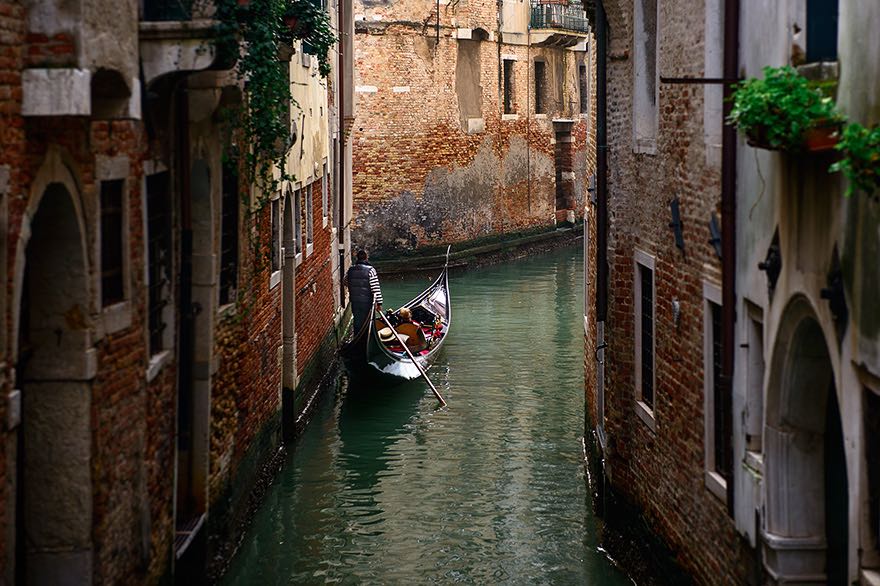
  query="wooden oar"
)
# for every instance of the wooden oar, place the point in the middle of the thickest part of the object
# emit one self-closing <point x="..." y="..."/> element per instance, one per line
<point x="413" y="358"/>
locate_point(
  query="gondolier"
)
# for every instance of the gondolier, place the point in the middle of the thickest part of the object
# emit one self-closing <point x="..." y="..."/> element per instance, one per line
<point x="363" y="287"/>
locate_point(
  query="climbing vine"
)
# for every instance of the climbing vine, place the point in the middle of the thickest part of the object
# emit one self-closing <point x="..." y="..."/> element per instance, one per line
<point x="262" y="28"/>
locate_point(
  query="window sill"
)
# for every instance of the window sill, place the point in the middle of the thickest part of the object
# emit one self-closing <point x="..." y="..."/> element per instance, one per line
<point x="157" y="363"/>
<point x="540" y="116"/>
<point x="324" y="220"/>
<point x="274" y="279"/>
<point x="310" y="248"/>
<point x="586" y="325"/>
<point x="298" y="259"/>
<point x="646" y="415"/>
<point x="510" y="116"/>
<point x="226" y="310"/>
<point x="116" y="317"/>
<point x="716" y="485"/>
<point x="755" y="461"/>
<point x="645" y="146"/>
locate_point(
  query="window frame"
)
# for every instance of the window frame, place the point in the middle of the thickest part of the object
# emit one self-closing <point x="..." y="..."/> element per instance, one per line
<point x="309" y="209"/>
<point x="508" y="87"/>
<point x="298" y="225"/>
<point x="125" y="293"/>
<point x="276" y="219"/>
<point x="325" y="193"/>
<point x="646" y="117"/>
<point x="160" y="355"/>
<point x="714" y="480"/>
<point x="584" y="87"/>
<point x="645" y="411"/>
<point x="540" y="91"/>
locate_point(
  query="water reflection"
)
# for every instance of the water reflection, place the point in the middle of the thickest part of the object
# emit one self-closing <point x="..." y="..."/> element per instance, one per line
<point x="387" y="488"/>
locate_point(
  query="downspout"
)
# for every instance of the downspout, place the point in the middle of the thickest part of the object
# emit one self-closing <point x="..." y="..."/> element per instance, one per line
<point x="728" y="235"/>
<point x="601" y="212"/>
<point x="340" y="146"/>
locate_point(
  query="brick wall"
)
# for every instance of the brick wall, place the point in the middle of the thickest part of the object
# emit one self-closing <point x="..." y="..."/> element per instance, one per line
<point x="315" y="304"/>
<point x="662" y="471"/>
<point x="422" y="175"/>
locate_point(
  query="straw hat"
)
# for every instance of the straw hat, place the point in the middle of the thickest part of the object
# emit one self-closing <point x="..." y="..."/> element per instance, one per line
<point x="386" y="335"/>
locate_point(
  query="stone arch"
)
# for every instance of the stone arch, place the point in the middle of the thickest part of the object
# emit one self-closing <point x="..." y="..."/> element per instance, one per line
<point x="55" y="365"/>
<point x="806" y="511"/>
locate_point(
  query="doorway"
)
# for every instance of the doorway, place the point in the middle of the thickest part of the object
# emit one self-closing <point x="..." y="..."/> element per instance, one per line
<point x="807" y="509"/>
<point x="55" y="366"/>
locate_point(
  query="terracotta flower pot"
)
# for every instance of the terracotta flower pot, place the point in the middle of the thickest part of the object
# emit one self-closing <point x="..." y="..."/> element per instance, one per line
<point x="757" y="138"/>
<point x="821" y="137"/>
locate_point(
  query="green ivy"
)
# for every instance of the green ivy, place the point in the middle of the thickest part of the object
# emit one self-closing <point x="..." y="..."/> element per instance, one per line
<point x="778" y="109"/>
<point x="861" y="158"/>
<point x="313" y="29"/>
<point x="261" y="29"/>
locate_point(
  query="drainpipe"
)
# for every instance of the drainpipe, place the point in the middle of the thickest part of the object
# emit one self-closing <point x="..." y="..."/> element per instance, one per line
<point x="340" y="146"/>
<point x="728" y="234"/>
<point x="601" y="212"/>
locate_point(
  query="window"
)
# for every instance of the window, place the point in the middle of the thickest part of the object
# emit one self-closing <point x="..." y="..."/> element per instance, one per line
<point x="644" y="338"/>
<point x="645" y="82"/>
<point x="297" y="223"/>
<point x="309" y="195"/>
<point x="822" y="30"/>
<point x="508" y="86"/>
<point x="754" y="378"/>
<point x="871" y="412"/>
<point x="159" y="264"/>
<point x="275" y="246"/>
<point x="713" y="94"/>
<point x="540" y="87"/>
<point x="112" y="243"/>
<point x="716" y="456"/>
<point x="325" y="194"/>
<point x="229" y="232"/>
<point x="584" y="88"/>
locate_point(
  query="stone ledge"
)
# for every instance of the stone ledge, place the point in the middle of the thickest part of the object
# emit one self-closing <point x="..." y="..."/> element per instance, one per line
<point x="56" y="92"/>
<point x="473" y="252"/>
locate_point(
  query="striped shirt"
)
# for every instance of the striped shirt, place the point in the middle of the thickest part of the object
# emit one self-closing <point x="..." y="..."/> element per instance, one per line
<point x="374" y="286"/>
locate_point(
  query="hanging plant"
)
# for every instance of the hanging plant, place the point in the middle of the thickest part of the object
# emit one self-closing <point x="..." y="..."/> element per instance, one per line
<point x="777" y="112"/>
<point x="309" y="23"/>
<point x="861" y="158"/>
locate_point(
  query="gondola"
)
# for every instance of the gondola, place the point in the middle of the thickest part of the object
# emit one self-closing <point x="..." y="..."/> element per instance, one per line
<point x="375" y="351"/>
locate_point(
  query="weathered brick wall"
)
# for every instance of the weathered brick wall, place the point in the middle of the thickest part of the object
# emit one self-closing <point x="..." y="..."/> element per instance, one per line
<point x="420" y="177"/>
<point x="12" y="31"/>
<point x="662" y="471"/>
<point x="315" y="304"/>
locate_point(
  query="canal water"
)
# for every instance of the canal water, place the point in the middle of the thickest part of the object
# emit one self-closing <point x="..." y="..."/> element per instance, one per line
<point x="385" y="487"/>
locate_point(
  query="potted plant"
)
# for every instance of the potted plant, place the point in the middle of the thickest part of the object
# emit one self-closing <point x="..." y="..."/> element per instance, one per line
<point x="783" y="112"/>
<point x="861" y="158"/>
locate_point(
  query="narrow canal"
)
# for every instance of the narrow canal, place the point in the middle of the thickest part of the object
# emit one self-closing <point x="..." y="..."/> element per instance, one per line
<point x="386" y="488"/>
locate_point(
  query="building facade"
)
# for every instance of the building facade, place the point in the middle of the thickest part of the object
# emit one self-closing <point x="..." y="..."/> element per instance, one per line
<point x="150" y="348"/>
<point x="735" y="403"/>
<point x="476" y="120"/>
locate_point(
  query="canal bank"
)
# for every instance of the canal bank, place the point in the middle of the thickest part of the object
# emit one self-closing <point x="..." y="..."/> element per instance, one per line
<point x="384" y="487"/>
<point x="488" y="250"/>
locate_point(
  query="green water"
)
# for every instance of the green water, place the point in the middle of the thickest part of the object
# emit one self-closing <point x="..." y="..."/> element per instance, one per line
<point x="386" y="488"/>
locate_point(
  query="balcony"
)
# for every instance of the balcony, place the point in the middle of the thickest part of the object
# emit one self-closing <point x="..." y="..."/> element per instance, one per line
<point x="558" y="23"/>
<point x="176" y="36"/>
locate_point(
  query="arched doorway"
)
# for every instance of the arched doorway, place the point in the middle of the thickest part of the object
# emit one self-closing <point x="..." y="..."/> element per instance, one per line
<point x="806" y="528"/>
<point x="55" y="366"/>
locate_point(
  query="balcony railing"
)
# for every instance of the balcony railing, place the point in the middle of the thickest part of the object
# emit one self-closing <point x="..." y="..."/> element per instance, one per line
<point x="558" y="15"/>
<point x="167" y="10"/>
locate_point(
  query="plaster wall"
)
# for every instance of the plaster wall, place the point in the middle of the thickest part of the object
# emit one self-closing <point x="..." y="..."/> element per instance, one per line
<point x="796" y="195"/>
